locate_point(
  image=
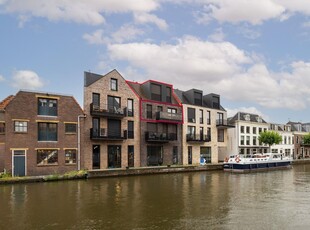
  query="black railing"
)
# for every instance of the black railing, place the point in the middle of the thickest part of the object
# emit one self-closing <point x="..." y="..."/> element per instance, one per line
<point x="168" y="116"/>
<point x="108" y="110"/>
<point x="160" y="137"/>
<point x="198" y="138"/>
<point x="104" y="134"/>
<point x="222" y="123"/>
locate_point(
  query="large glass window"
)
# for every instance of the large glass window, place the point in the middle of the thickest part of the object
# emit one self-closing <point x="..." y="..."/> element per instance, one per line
<point x="220" y="135"/>
<point x="191" y="130"/>
<point x="168" y="97"/>
<point x="113" y="84"/>
<point x="242" y="140"/>
<point x="190" y="154"/>
<point x="156" y="92"/>
<point x="2" y="127"/>
<point x="70" y="156"/>
<point x="114" y="104"/>
<point x="175" y="159"/>
<point x="130" y="130"/>
<point x="47" y="106"/>
<point x="197" y="98"/>
<point x="131" y="156"/>
<point x="96" y="101"/>
<point x="70" y="127"/>
<point x="20" y="126"/>
<point x="208" y="117"/>
<point x="201" y="116"/>
<point x="149" y="111"/>
<point x="191" y="115"/>
<point x="205" y="154"/>
<point x="130" y="107"/>
<point x="241" y="129"/>
<point x="47" y="131"/>
<point x="47" y="157"/>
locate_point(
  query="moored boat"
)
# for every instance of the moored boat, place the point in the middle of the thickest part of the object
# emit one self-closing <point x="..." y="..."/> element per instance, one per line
<point x="265" y="161"/>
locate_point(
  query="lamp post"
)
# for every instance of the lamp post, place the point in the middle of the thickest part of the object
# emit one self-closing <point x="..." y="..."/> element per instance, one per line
<point x="79" y="140"/>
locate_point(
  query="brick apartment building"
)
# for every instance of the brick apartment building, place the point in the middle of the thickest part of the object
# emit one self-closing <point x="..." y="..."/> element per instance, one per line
<point x="39" y="133"/>
<point x="111" y="128"/>
<point x="204" y="138"/>
<point x="160" y="123"/>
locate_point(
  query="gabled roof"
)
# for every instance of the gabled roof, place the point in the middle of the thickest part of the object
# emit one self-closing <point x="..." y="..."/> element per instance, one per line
<point x="5" y="102"/>
<point x="90" y="78"/>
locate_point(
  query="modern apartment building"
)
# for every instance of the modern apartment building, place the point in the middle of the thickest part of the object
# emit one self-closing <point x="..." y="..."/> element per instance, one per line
<point x="244" y="138"/>
<point x="112" y="125"/>
<point x="39" y="133"/>
<point x="160" y="123"/>
<point x="286" y="146"/>
<point x="204" y="134"/>
<point x="301" y="150"/>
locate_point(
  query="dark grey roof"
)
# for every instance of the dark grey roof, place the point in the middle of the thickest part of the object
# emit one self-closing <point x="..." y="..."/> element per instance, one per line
<point x="240" y="116"/>
<point x="90" y="78"/>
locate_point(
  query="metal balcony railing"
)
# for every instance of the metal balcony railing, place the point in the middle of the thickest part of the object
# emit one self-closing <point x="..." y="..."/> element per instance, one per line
<point x="106" y="110"/>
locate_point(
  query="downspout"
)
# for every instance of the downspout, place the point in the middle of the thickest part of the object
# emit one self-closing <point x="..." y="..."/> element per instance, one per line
<point x="79" y="140"/>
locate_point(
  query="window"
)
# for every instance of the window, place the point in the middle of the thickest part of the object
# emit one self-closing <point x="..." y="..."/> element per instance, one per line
<point x="248" y="140"/>
<point x="216" y="102"/>
<point x="47" y="106"/>
<point x="197" y="98"/>
<point x="168" y="97"/>
<point x="70" y="156"/>
<point x="130" y="107"/>
<point x="201" y="116"/>
<point x="220" y="118"/>
<point x="172" y="110"/>
<point x="47" y="157"/>
<point x="113" y="84"/>
<point x="70" y="128"/>
<point x="254" y="140"/>
<point x="208" y="117"/>
<point x="220" y="135"/>
<point x="131" y="156"/>
<point x="130" y="130"/>
<point x="259" y="130"/>
<point x="241" y="129"/>
<point x="191" y="115"/>
<point x="191" y="130"/>
<point x="209" y="133"/>
<point x="114" y="103"/>
<point x="159" y="108"/>
<point x="247" y="129"/>
<point x="156" y="92"/>
<point x="2" y="127"/>
<point x="96" y="101"/>
<point x="20" y="126"/>
<point x="254" y="130"/>
<point x="149" y="111"/>
<point x="190" y="152"/>
<point x="175" y="159"/>
<point x="242" y="140"/>
<point x="47" y="132"/>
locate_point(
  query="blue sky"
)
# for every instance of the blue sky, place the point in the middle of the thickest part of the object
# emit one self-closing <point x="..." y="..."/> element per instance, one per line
<point x="255" y="54"/>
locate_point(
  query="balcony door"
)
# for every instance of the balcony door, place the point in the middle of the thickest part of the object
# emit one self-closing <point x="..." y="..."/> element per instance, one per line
<point x="114" y="156"/>
<point x="114" y="128"/>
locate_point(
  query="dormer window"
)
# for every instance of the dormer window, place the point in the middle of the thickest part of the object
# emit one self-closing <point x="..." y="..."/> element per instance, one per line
<point x="47" y="107"/>
<point x="259" y="119"/>
<point x="155" y="92"/>
<point x="197" y="98"/>
<point x="247" y="117"/>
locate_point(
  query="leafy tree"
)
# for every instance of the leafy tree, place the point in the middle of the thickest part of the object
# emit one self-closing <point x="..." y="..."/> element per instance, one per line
<point x="270" y="138"/>
<point x="307" y="139"/>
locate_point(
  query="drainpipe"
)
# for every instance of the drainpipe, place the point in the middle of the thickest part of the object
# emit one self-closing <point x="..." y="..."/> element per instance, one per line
<point x="79" y="140"/>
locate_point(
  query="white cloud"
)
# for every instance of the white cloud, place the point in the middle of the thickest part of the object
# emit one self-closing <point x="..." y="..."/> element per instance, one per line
<point x="220" y="68"/>
<point x="251" y="110"/>
<point x="143" y="18"/>
<point x="81" y="11"/>
<point x="126" y="33"/>
<point x="26" y="79"/>
<point x="1" y="78"/>
<point x="217" y="36"/>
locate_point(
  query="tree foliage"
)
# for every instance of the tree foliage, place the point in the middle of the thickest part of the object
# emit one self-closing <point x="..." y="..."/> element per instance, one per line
<point x="270" y="137"/>
<point x="307" y="139"/>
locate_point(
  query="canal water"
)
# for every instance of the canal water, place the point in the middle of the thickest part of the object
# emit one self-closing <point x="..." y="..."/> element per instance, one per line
<point x="199" y="200"/>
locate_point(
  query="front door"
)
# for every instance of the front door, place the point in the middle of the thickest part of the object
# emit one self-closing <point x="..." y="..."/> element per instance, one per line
<point x="19" y="162"/>
<point x="96" y="156"/>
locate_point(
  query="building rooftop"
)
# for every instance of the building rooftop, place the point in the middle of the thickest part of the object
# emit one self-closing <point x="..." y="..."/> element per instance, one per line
<point x="6" y="101"/>
<point x="243" y="116"/>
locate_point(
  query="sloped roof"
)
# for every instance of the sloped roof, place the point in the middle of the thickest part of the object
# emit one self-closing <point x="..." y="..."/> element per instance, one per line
<point x="90" y="78"/>
<point x="240" y="116"/>
<point x="5" y="102"/>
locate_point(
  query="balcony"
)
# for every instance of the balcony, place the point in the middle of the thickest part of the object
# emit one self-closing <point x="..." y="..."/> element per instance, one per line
<point x="105" y="110"/>
<point x="160" y="137"/>
<point x="223" y="124"/>
<point x="176" y="117"/>
<point x="105" y="135"/>
<point x="198" y="138"/>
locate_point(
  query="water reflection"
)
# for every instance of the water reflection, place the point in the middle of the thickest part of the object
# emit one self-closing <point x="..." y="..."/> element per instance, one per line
<point x="213" y="200"/>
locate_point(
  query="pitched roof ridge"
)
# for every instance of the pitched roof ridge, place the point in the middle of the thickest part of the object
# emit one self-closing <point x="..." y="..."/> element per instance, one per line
<point x="6" y="101"/>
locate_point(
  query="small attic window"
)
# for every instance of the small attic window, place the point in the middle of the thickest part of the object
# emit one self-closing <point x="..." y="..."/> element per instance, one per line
<point x="259" y="119"/>
<point x="247" y="117"/>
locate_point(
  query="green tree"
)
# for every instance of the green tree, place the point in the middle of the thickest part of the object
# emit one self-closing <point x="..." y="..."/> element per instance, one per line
<point x="307" y="139"/>
<point x="270" y="138"/>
